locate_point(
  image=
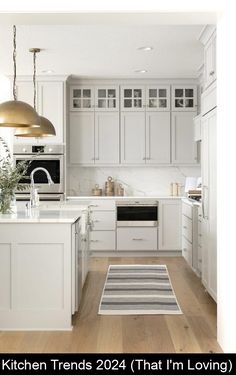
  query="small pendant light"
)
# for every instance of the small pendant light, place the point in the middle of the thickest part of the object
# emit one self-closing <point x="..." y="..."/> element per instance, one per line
<point x="15" y="113"/>
<point x="46" y="128"/>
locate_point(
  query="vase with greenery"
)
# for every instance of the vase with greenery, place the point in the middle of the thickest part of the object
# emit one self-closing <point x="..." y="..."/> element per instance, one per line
<point x="10" y="176"/>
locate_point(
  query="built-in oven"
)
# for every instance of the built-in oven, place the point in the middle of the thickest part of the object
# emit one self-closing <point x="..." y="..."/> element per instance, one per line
<point x="137" y="213"/>
<point x="49" y="157"/>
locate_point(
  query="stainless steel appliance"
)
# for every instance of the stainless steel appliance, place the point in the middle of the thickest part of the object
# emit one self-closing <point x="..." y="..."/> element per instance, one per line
<point x="49" y="157"/>
<point x="137" y="213"/>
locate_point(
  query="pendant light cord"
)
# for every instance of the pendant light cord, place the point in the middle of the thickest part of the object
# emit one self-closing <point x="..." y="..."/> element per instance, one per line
<point x="14" y="62"/>
<point x="34" y="78"/>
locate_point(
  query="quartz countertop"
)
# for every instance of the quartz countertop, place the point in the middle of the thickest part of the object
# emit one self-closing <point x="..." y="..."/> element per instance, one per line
<point x="92" y="197"/>
<point x="192" y="202"/>
<point x="44" y="215"/>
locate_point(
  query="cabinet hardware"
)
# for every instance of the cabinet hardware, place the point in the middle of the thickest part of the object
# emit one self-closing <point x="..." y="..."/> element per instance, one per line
<point x="212" y="73"/>
<point x="200" y="215"/>
<point x="93" y="205"/>
<point x="144" y="158"/>
<point x="200" y="246"/>
<point x="137" y="239"/>
<point x="93" y="240"/>
<point x="184" y="227"/>
<point x="184" y="249"/>
<point x="200" y="235"/>
<point x="96" y="221"/>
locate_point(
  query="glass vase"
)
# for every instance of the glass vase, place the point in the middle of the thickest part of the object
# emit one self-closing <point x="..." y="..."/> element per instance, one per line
<point x="7" y="202"/>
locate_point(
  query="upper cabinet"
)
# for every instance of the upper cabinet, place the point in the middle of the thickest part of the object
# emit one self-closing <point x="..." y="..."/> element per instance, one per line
<point x="81" y="98"/>
<point x="184" y="98"/>
<point x="89" y="98"/>
<point x="158" y="98"/>
<point x="208" y="39"/>
<point x="133" y="98"/>
<point x="50" y="104"/>
<point x="107" y="98"/>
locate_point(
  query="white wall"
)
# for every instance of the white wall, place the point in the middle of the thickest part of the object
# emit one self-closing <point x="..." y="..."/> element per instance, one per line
<point x="136" y="180"/>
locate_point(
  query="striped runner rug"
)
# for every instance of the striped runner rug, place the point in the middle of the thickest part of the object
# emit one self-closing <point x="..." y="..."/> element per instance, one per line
<point x="138" y="289"/>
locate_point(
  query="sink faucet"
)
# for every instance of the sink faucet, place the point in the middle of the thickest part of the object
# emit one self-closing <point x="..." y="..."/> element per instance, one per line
<point x="34" y="198"/>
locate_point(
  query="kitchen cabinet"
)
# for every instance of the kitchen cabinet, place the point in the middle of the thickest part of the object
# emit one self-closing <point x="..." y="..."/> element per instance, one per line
<point x="209" y="213"/>
<point x="89" y="136"/>
<point x="50" y="104"/>
<point x="103" y="225"/>
<point x="107" y="98"/>
<point x="94" y="98"/>
<point x="210" y="61"/>
<point x="133" y="138"/>
<point x="133" y="98"/>
<point x="184" y="97"/>
<point x="81" y="98"/>
<point x="81" y="135"/>
<point x="158" y="98"/>
<point x="169" y="224"/>
<point x="184" y="149"/>
<point x="197" y="128"/>
<point x="152" y="138"/>
<point x="137" y="239"/>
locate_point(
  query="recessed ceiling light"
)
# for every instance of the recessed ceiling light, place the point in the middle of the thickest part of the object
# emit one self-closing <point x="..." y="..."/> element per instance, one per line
<point x="141" y="71"/>
<point x="48" y="71"/>
<point x="145" y="48"/>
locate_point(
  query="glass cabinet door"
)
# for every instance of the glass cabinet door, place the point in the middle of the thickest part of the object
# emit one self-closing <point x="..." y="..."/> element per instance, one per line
<point x="184" y="98"/>
<point x="158" y="98"/>
<point x="132" y="98"/>
<point x="82" y="98"/>
<point x="107" y="98"/>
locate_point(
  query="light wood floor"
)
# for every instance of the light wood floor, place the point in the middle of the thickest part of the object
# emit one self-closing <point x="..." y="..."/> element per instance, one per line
<point x="194" y="331"/>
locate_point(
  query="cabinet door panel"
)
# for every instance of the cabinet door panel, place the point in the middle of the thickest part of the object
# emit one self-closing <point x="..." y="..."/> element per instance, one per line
<point x="133" y="98"/>
<point x="136" y="239"/>
<point x="158" y="137"/>
<point x="106" y="138"/>
<point x="184" y="98"/>
<point x="158" y="98"/>
<point x="184" y="149"/>
<point x="169" y="225"/>
<point x="107" y="98"/>
<point x="51" y="99"/>
<point x="82" y="138"/>
<point x="133" y="138"/>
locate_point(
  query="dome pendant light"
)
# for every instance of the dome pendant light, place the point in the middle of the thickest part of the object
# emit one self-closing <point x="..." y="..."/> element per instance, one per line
<point x="46" y="128"/>
<point x="15" y="113"/>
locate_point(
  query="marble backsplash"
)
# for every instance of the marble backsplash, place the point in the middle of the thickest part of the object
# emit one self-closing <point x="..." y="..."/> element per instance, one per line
<point x="137" y="181"/>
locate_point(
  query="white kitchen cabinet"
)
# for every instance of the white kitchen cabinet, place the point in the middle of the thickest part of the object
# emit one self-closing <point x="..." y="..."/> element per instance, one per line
<point x="197" y="128"/>
<point x="81" y="135"/>
<point x="133" y="138"/>
<point x="107" y="98"/>
<point x="50" y="104"/>
<point x="107" y="137"/>
<point x="102" y="205"/>
<point x="209" y="213"/>
<point x="187" y="251"/>
<point x="137" y="239"/>
<point x="210" y="61"/>
<point x="82" y="98"/>
<point x="169" y="218"/>
<point x="184" y="149"/>
<point x="157" y="138"/>
<point x="104" y="240"/>
<point x="184" y="97"/>
<point x="103" y="220"/>
<point x="158" y="98"/>
<point x="133" y="98"/>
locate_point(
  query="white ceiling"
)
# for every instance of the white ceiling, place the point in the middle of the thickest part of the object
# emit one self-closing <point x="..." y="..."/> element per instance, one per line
<point x="104" y="49"/>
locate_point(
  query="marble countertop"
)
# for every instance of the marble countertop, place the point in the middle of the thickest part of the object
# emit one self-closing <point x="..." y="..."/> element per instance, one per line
<point x="92" y="197"/>
<point x="44" y="214"/>
<point x="191" y="202"/>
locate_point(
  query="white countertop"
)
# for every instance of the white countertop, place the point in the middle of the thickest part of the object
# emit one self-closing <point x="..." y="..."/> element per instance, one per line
<point x="44" y="215"/>
<point x="191" y="202"/>
<point x="92" y="197"/>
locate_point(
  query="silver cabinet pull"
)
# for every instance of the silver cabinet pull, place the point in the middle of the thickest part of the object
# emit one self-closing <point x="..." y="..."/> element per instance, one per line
<point x="94" y="240"/>
<point x="93" y="205"/>
<point x="184" y="249"/>
<point x="137" y="239"/>
<point x="96" y="221"/>
<point x="184" y="227"/>
<point x="212" y="73"/>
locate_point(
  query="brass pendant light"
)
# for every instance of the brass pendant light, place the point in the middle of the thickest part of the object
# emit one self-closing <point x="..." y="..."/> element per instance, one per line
<point x="46" y="128"/>
<point x="15" y="113"/>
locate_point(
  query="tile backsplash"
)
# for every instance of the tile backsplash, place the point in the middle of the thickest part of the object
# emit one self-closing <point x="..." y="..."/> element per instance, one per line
<point x="137" y="181"/>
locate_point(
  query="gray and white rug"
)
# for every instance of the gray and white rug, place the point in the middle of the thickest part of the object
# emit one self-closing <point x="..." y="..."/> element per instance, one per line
<point x="138" y="290"/>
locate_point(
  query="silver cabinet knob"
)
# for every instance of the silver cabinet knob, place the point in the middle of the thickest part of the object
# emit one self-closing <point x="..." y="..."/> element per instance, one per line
<point x="212" y="73"/>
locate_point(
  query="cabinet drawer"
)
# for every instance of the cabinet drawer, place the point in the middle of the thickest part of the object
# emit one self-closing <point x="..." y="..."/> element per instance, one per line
<point x="187" y="210"/>
<point x="102" y="240"/>
<point x="136" y="239"/>
<point x="102" y="204"/>
<point x="103" y="220"/>
<point x="187" y="251"/>
<point x="187" y="228"/>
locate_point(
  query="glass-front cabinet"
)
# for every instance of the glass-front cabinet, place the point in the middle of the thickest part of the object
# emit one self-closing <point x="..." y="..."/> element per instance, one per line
<point x="184" y="98"/>
<point x="107" y="98"/>
<point x="81" y="98"/>
<point x="158" y="98"/>
<point x="133" y="98"/>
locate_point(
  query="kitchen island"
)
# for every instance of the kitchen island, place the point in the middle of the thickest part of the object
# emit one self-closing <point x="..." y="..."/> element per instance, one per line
<point x="40" y="268"/>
